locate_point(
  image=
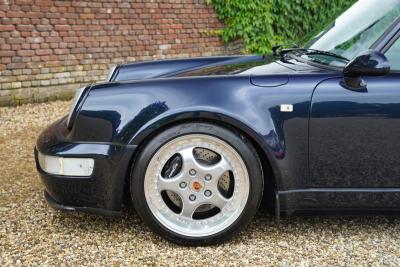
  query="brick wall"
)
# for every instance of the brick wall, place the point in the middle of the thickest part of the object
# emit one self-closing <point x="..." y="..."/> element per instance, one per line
<point x="50" y="48"/>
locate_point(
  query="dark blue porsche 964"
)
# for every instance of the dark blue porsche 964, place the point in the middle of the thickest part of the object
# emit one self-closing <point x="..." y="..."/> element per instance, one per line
<point x="196" y="144"/>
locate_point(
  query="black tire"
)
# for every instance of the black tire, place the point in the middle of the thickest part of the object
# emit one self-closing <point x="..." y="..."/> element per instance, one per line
<point x="237" y="141"/>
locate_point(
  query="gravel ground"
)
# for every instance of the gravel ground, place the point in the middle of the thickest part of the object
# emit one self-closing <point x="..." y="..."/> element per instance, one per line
<point x="31" y="233"/>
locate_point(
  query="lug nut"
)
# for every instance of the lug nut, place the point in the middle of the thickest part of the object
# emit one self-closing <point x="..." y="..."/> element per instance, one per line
<point x="207" y="193"/>
<point x="192" y="172"/>
<point x="208" y="177"/>
<point x="182" y="185"/>
<point x="192" y="197"/>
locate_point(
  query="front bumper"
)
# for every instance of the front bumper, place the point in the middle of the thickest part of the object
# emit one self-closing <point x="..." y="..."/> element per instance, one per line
<point x="101" y="192"/>
<point x="54" y="204"/>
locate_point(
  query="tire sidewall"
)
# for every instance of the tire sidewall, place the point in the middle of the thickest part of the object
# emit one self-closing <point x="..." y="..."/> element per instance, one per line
<point x="238" y="142"/>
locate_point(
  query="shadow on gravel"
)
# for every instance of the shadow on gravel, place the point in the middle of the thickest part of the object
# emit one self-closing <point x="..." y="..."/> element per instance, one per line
<point x="263" y="226"/>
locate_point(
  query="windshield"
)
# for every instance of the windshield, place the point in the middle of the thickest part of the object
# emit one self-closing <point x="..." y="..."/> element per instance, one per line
<point x="355" y="31"/>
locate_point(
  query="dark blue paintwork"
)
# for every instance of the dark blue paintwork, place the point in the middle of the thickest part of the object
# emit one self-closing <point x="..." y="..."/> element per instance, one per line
<point x="354" y="135"/>
<point x="338" y="149"/>
<point x="369" y="63"/>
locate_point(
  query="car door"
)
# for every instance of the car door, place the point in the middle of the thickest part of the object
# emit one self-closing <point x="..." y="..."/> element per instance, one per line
<point x="354" y="135"/>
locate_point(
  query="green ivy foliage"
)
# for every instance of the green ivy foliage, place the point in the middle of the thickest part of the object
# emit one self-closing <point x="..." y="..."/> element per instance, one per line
<point x="262" y="24"/>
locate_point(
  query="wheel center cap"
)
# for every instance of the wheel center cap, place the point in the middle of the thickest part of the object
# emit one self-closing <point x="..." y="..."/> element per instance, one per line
<point x="196" y="186"/>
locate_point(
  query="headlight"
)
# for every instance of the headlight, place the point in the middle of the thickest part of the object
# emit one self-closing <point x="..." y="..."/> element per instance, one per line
<point x="74" y="105"/>
<point x="66" y="166"/>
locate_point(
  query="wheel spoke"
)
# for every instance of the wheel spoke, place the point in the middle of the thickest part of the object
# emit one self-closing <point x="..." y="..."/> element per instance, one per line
<point x="188" y="208"/>
<point x="188" y="160"/>
<point x="171" y="184"/>
<point x="189" y="163"/>
<point x="220" y="168"/>
<point x="218" y="200"/>
<point x="216" y="171"/>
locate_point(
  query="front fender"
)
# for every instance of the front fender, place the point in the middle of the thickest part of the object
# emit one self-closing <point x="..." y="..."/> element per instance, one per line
<point x="126" y="113"/>
<point x="270" y="145"/>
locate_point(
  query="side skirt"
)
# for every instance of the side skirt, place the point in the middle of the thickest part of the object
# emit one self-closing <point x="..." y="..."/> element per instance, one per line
<point x="337" y="200"/>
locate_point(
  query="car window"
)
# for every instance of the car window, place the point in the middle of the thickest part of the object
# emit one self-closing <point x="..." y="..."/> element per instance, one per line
<point x="358" y="28"/>
<point x="393" y="55"/>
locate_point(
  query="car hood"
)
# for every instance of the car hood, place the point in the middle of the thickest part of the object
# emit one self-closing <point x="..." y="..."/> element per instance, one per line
<point x="206" y="66"/>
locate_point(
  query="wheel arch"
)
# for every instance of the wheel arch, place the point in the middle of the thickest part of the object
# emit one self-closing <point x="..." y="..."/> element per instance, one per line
<point x="270" y="173"/>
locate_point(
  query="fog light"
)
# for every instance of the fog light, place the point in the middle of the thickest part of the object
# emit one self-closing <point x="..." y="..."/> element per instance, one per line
<point x="66" y="166"/>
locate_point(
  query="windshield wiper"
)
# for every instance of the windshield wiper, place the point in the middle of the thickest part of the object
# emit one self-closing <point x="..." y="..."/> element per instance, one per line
<point x="276" y="48"/>
<point x="308" y="51"/>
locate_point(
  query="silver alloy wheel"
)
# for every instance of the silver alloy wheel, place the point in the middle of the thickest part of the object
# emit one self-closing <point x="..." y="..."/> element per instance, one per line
<point x="197" y="185"/>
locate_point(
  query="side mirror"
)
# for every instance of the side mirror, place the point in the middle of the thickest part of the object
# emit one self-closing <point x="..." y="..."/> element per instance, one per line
<point x="368" y="63"/>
